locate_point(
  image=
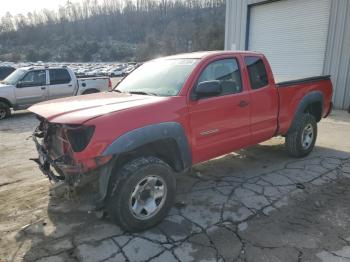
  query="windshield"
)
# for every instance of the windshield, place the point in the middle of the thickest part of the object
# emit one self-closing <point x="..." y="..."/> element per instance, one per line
<point x="162" y="77"/>
<point x="13" y="78"/>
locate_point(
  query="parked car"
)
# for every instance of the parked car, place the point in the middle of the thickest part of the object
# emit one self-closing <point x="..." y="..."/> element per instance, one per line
<point x="29" y="85"/>
<point x="168" y="115"/>
<point x="118" y="71"/>
<point x="5" y="71"/>
<point x="94" y="72"/>
<point x="128" y="70"/>
<point x="105" y="70"/>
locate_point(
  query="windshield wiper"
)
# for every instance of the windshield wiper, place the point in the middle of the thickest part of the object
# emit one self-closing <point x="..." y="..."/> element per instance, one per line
<point x="135" y="92"/>
<point x="116" y="90"/>
<point x="143" y="93"/>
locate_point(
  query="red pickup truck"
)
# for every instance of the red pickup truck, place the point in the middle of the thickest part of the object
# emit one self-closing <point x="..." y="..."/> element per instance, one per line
<point x="166" y="116"/>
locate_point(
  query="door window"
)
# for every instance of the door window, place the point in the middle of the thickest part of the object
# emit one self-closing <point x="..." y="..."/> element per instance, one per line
<point x="227" y="72"/>
<point x="59" y="76"/>
<point x="34" y="78"/>
<point x="257" y="72"/>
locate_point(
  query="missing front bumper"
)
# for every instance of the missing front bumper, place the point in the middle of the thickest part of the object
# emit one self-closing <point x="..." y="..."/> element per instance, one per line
<point x="46" y="164"/>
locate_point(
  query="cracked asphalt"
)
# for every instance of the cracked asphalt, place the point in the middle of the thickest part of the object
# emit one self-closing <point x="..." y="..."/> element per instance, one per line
<point x="257" y="204"/>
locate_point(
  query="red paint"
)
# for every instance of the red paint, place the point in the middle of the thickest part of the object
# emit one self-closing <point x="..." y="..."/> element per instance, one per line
<point x="235" y="127"/>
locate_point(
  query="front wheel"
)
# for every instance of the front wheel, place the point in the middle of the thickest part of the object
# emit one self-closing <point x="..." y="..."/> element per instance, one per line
<point x="141" y="193"/>
<point x="5" y="110"/>
<point x="301" y="141"/>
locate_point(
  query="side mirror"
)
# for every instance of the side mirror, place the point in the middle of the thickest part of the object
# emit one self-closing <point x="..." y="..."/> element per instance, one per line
<point x="207" y="89"/>
<point x="19" y="84"/>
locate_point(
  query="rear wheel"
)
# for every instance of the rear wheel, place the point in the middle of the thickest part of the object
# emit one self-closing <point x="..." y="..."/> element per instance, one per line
<point x="91" y="91"/>
<point x="301" y="141"/>
<point x="141" y="193"/>
<point x="5" y="110"/>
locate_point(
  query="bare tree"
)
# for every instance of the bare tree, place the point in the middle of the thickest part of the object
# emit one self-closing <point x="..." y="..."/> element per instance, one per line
<point x="114" y="30"/>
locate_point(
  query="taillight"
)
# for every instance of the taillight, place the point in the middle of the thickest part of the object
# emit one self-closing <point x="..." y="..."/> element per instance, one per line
<point x="110" y="84"/>
<point x="79" y="137"/>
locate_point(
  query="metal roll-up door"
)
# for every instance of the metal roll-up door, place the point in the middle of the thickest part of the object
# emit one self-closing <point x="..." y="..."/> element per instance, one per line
<point x="292" y="34"/>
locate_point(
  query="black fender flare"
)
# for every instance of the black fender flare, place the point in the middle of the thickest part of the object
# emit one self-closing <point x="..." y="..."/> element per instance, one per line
<point x="4" y="100"/>
<point x="142" y="136"/>
<point x="90" y="91"/>
<point x="312" y="97"/>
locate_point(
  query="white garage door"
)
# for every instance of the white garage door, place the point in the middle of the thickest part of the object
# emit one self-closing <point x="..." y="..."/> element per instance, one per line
<point x="292" y="34"/>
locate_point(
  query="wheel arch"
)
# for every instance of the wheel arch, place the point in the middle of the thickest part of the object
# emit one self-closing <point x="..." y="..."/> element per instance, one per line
<point x="90" y="91"/>
<point x="171" y="134"/>
<point x="4" y="100"/>
<point x="312" y="103"/>
<point x="166" y="141"/>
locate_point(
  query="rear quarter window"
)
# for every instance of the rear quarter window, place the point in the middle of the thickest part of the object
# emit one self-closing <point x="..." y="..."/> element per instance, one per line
<point x="59" y="76"/>
<point x="257" y="72"/>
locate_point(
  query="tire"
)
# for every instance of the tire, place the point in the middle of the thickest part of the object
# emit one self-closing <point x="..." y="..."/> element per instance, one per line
<point x="5" y="110"/>
<point x="299" y="142"/>
<point x="130" y="193"/>
<point x="90" y="91"/>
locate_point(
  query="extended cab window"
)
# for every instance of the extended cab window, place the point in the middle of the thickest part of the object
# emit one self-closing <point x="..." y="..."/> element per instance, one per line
<point x="34" y="78"/>
<point x="227" y="72"/>
<point x="59" y="76"/>
<point x="257" y="71"/>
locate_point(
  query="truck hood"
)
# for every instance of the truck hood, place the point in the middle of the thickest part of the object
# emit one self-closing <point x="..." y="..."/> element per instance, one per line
<point x="79" y="109"/>
<point x="2" y="85"/>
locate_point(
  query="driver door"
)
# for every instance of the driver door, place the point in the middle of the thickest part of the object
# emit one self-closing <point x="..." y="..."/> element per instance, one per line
<point x="220" y="123"/>
<point x="32" y="88"/>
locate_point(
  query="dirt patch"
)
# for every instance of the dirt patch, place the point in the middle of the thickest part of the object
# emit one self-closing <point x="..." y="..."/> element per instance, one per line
<point x="270" y="206"/>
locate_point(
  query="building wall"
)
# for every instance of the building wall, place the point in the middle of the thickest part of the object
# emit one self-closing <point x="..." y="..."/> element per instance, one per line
<point x="337" y="57"/>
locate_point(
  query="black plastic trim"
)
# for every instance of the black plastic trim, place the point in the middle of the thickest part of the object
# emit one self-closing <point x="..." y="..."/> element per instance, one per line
<point x="312" y="97"/>
<point x="4" y="100"/>
<point x="303" y="81"/>
<point x="149" y="134"/>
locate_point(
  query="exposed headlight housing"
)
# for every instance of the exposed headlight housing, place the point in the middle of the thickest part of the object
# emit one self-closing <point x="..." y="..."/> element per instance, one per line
<point x="79" y="136"/>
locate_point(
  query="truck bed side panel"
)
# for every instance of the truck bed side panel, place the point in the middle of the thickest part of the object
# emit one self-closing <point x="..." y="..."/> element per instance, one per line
<point x="291" y="95"/>
<point x="97" y="83"/>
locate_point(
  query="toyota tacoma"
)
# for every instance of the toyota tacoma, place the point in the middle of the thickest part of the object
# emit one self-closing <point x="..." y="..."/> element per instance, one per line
<point x="128" y="145"/>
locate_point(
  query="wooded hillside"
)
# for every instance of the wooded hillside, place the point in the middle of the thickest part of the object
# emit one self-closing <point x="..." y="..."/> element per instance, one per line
<point x="113" y="30"/>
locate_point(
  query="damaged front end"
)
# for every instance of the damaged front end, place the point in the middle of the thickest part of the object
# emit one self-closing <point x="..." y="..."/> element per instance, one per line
<point x="58" y="146"/>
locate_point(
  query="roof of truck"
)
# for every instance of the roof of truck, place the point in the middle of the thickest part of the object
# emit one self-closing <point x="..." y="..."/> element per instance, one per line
<point x="36" y="67"/>
<point x="204" y="54"/>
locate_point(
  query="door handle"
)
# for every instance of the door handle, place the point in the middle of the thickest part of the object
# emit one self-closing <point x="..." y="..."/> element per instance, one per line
<point x="243" y="103"/>
<point x="43" y="88"/>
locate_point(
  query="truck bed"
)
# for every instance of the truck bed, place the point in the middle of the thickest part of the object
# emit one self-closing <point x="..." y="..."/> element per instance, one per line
<point x="100" y="84"/>
<point x="292" y="92"/>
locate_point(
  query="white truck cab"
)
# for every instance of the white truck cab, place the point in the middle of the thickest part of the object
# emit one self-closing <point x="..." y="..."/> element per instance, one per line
<point x="30" y="85"/>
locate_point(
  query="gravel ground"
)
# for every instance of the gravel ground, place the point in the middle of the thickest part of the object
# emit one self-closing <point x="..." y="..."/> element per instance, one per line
<point x="256" y="204"/>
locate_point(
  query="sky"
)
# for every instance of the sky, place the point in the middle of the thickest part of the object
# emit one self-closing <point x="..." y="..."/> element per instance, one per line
<point x="25" y="6"/>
